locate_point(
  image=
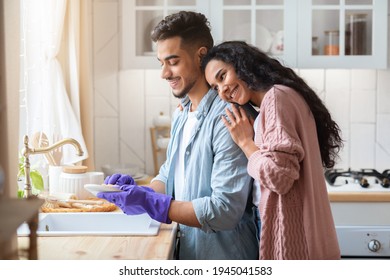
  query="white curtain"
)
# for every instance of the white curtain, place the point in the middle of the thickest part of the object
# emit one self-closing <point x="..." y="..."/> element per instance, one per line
<point x="74" y="54"/>
<point x="46" y="104"/>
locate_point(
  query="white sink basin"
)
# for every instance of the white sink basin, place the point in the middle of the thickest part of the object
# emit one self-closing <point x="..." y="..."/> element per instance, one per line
<point x="102" y="223"/>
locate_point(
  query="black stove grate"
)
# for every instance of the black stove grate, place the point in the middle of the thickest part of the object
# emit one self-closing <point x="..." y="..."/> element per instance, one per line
<point x="359" y="175"/>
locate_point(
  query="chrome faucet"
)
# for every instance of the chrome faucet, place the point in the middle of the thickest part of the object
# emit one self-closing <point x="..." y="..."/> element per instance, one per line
<point x="27" y="151"/>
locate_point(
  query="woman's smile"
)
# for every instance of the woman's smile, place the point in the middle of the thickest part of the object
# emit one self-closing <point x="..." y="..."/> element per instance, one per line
<point x="234" y="93"/>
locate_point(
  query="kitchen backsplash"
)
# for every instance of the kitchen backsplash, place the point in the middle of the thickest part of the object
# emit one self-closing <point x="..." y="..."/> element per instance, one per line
<point x="126" y="102"/>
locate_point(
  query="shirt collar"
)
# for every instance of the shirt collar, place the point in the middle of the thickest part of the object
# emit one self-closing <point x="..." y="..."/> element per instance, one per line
<point x="204" y="105"/>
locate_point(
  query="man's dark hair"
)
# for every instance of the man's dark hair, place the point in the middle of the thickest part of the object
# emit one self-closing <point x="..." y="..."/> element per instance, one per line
<point x="193" y="29"/>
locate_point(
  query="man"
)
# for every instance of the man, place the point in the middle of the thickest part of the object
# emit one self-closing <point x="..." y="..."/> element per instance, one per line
<point x="203" y="185"/>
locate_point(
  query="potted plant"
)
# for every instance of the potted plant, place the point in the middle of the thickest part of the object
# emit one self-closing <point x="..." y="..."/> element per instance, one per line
<point x="35" y="176"/>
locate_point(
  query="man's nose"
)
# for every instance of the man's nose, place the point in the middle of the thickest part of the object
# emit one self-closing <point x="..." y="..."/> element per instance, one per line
<point x="165" y="72"/>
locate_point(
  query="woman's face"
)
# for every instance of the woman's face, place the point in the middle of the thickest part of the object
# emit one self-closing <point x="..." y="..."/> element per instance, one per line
<point x="223" y="78"/>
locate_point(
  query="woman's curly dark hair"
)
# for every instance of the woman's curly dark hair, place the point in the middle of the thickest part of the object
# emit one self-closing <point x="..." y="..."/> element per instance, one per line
<point x="260" y="72"/>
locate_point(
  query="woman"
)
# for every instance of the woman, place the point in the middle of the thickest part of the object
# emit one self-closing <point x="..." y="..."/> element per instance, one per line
<point x="289" y="144"/>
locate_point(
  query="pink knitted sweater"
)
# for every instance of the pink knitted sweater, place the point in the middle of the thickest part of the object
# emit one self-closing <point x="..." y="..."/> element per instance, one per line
<point x="295" y="212"/>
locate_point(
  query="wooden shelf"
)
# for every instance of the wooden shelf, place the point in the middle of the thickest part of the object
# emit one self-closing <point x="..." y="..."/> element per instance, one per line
<point x="155" y="132"/>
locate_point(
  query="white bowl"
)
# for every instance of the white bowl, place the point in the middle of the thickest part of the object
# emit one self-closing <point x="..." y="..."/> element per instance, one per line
<point x="163" y="142"/>
<point x="162" y="120"/>
<point x="120" y="168"/>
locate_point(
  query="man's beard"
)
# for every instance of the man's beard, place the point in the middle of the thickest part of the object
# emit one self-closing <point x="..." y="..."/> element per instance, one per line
<point x="184" y="92"/>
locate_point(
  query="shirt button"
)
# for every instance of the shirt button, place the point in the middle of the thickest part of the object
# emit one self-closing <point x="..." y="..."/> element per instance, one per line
<point x="187" y="153"/>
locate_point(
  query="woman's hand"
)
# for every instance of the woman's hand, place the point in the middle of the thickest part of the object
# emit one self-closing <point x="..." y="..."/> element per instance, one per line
<point x="241" y="129"/>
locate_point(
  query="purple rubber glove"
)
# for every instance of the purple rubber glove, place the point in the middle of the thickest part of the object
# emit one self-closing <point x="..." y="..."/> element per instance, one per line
<point x="127" y="187"/>
<point x="136" y="200"/>
<point x="119" y="179"/>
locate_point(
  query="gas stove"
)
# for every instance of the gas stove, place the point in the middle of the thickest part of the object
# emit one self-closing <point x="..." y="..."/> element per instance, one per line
<point x="360" y="203"/>
<point x="363" y="180"/>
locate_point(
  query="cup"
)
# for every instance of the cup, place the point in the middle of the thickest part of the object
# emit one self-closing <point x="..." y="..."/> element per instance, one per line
<point x="54" y="178"/>
<point x="96" y="177"/>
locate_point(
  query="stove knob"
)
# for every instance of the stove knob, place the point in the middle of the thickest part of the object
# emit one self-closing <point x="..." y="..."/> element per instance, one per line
<point x="364" y="183"/>
<point x="374" y="245"/>
<point x="385" y="183"/>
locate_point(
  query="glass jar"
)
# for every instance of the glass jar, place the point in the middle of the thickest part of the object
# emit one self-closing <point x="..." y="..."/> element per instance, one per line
<point x="314" y="46"/>
<point x="356" y="34"/>
<point x="331" y="42"/>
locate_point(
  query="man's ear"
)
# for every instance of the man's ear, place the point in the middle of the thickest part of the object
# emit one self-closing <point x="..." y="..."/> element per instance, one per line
<point x="202" y="52"/>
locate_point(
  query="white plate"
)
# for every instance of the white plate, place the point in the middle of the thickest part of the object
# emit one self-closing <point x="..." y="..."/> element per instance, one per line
<point x="95" y="189"/>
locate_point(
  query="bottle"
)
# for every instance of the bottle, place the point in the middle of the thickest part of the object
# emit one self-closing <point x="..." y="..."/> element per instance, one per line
<point x="356" y="34"/>
<point x="331" y="42"/>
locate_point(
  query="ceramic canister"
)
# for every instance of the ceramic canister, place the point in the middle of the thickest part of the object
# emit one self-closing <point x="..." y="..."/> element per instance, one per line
<point x="73" y="179"/>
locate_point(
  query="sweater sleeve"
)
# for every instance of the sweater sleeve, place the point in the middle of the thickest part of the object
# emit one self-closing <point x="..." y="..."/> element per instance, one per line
<point x="277" y="162"/>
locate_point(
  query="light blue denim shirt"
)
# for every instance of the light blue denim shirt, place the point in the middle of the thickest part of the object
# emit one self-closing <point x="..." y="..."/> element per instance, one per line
<point x="217" y="183"/>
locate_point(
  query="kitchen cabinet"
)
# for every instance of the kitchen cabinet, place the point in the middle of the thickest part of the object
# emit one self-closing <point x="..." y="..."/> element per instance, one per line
<point x="257" y="22"/>
<point x="138" y="19"/>
<point x="293" y="31"/>
<point x="349" y="34"/>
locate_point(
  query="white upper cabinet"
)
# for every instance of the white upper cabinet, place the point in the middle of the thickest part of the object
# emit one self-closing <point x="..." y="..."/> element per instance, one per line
<point x="342" y="34"/>
<point x="268" y="24"/>
<point x="300" y="33"/>
<point x="138" y="20"/>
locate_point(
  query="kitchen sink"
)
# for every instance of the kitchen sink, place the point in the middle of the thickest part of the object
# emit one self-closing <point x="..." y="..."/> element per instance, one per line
<point x="101" y="223"/>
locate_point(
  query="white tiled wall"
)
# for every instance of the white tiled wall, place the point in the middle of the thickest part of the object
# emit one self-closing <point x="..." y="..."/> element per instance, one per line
<point x="127" y="101"/>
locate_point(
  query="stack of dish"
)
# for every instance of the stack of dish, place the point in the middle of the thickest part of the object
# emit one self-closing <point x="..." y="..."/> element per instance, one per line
<point x="123" y="168"/>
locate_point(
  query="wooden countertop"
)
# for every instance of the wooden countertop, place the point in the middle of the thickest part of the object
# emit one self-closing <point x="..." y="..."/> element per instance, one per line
<point x="359" y="196"/>
<point x="159" y="247"/>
